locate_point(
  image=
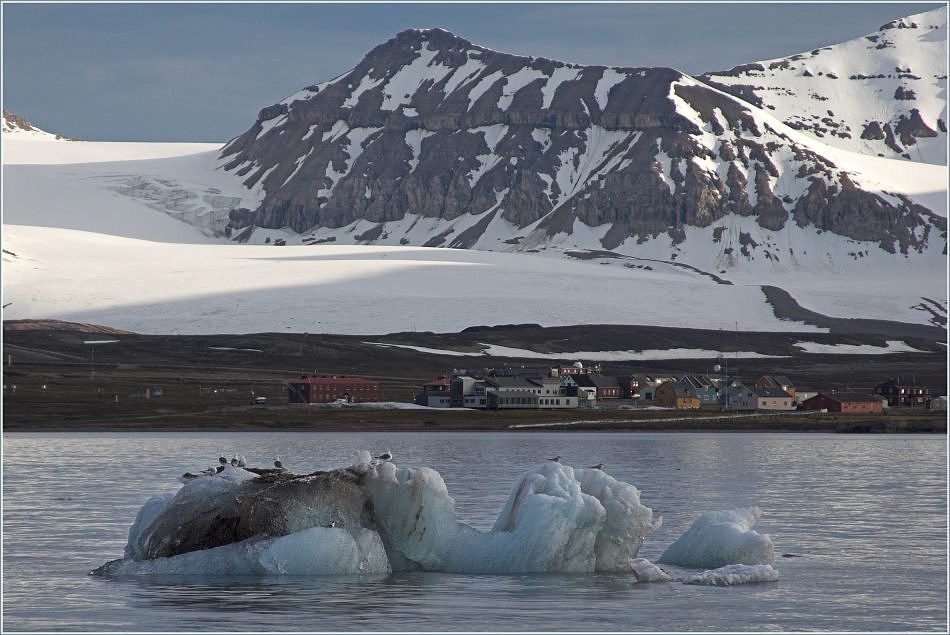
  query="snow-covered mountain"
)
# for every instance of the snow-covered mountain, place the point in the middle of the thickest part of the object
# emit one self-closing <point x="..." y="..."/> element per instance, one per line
<point x="22" y="128"/>
<point x="433" y="140"/>
<point x="654" y="198"/>
<point x="882" y="94"/>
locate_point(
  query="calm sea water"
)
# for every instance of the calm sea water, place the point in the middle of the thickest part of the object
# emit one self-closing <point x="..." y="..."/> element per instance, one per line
<point x="866" y="514"/>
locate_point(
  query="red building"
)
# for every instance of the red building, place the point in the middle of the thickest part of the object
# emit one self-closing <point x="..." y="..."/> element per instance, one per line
<point x="607" y="387"/>
<point x="845" y="403"/>
<point x="324" y="389"/>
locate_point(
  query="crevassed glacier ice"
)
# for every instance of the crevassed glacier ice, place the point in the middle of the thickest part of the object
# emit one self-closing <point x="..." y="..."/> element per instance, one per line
<point x="721" y="538"/>
<point x="374" y="518"/>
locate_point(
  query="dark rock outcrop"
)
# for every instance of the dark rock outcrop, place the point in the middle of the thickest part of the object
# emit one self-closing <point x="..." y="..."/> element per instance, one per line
<point x="429" y="125"/>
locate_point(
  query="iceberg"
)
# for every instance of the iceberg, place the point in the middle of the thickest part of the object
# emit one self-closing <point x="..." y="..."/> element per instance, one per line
<point x="734" y="574"/>
<point x="646" y="571"/>
<point x="375" y="517"/>
<point x="721" y="538"/>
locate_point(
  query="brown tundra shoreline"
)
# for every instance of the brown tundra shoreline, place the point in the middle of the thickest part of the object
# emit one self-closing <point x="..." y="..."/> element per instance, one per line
<point x="352" y="419"/>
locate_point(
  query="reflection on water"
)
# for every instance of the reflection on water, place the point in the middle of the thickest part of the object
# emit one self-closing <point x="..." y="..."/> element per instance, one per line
<point x="847" y="505"/>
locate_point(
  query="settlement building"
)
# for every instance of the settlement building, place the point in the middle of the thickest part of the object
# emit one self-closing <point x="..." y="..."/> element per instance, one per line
<point x="844" y="402"/>
<point x="639" y="387"/>
<point x="675" y="395"/>
<point x="781" y="382"/>
<point x="898" y="393"/>
<point x="773" y="399"/>
<point x="607" y="387"/>
<point x="324" y="389"/>
<point x="436" y="393"/>
<point x="509" y="392"/>
<point x="738" y="396"/>
<point x="703" y="386"/>
<point x="804" y="392"/>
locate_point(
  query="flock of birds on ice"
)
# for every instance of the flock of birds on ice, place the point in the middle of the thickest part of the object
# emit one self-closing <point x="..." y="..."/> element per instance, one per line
<point x="240" y="461"/>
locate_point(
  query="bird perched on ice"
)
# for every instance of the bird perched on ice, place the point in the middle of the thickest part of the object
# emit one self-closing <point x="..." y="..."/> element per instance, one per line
<point x="234" y="461"/>
<point x="278" y="464"/>
<point x="222" y="460"/>
<point x="599" y="466"/>
<point x="211" y="471"/>
<point x="385" y="456"/>
<point x="556" y="459"/>
<point x="242" y="462"/>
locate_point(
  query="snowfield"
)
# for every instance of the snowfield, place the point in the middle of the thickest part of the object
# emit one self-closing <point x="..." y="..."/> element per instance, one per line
<point x="153" y="287"/>
<point x="92" y="234"/>
<point x="495" y="350"/>
<point x="137" y="190"/>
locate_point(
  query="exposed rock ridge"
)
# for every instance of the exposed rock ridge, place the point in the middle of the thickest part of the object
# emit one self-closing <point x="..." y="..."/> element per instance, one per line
<point x="15" y="124"/>
<point x="429" y="125"/>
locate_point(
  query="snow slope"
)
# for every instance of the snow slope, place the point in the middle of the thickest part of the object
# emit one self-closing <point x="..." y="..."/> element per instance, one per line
<point x="16" y="127"/>
<point x="191" y="288"/>
<point x="835" y="92"/>
<point x="135" y="265"/>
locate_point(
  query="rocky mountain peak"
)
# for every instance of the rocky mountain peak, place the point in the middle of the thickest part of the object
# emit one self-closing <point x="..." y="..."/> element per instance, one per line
<point x="12" y="122"/>
<point x="24" y="128"/>
<point x="482" y="146"/>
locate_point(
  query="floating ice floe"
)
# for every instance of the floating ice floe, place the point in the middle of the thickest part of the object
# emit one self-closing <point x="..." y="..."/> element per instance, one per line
<point x="721" y="538"/>
<point x="646" y="571"/>
<point x="734" y="574"/>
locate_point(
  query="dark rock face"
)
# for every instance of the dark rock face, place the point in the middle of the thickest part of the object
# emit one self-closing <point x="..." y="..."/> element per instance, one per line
<point x="430" y="125"/>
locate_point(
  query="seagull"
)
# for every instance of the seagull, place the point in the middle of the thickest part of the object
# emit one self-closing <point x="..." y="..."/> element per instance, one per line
<point x="556" y="459"/>
<point x="187" y="476"/>
<point x="278" y="464"/>
<point x="385" y="456"/>
<point x="242" y="462"/>
<point x="599" y="466"/>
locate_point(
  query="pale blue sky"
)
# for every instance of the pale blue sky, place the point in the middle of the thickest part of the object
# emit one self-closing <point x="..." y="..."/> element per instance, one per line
<point x="201" y="72"/>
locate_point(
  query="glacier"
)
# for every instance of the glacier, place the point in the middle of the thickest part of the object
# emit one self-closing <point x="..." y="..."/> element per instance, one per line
<point x="373" y="518"/>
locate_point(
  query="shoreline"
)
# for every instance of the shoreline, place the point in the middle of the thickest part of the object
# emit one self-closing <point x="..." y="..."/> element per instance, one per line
<point x="282" y="419"/>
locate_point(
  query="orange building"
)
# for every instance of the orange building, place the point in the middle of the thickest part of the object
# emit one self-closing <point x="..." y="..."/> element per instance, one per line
<point x="675" y="395"/>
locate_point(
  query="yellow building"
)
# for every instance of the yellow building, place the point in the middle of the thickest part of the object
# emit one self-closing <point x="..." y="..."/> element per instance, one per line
<point x="674" y="395"/>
